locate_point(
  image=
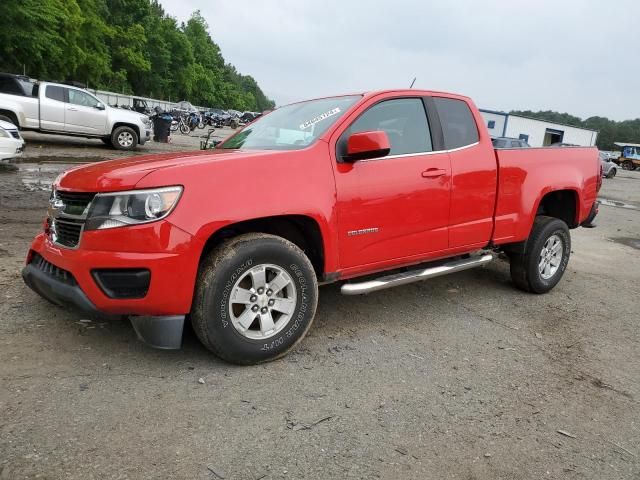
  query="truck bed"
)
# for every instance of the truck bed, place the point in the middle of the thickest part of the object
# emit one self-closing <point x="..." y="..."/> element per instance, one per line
<point x="525" y="175"/>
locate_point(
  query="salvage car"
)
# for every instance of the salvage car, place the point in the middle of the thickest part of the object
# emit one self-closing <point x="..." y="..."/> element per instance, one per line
<point x="11" y="142"/>
<point x="373" y="190"/>
<point x="67" y="110"/>
<point x="609" y="168"/>
<point x="507" y="142"/>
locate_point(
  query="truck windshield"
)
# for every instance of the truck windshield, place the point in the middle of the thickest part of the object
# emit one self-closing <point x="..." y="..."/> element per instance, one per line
<point x="292" y="127"/>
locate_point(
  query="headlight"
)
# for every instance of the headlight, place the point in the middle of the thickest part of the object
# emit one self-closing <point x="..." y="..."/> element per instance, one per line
<point x="4" y="133"/>
<point x="145" y="120"/>
<point x="119" y="209"/>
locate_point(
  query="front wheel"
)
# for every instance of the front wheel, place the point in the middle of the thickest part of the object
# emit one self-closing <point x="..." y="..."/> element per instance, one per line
<point x="184" y="129"/>
<point x="612" y="173"/>
<point x="124" y="138"/>
<point x="546" y="256"/>
<point x="628" y="165"/>
<point x="255" y="298"/>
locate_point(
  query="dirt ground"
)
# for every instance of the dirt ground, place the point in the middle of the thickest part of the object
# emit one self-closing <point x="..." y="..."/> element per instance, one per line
<point x="461" y="377"/>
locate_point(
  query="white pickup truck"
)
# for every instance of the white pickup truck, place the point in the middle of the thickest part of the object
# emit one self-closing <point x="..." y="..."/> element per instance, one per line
<point x="67" y="110"/>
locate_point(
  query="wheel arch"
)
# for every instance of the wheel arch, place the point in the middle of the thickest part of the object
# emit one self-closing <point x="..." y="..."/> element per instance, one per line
<point x="12" y="116"/>
<point x="563" y="204"/>
<point x="301" y="230"/>
<point x="125" y="124"/>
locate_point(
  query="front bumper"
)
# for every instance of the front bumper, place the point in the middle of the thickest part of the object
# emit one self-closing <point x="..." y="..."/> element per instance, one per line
<point x="170" y="254"/>
<point x="57" y="290"/>
<point x="11" y="148"/>
<point x="145" y="134"/>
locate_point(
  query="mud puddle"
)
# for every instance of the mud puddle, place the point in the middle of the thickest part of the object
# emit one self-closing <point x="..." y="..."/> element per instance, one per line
<point x="629" y="242"/>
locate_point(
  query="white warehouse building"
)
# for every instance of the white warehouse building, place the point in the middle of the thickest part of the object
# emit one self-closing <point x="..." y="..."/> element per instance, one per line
<point x="537" y="133"/>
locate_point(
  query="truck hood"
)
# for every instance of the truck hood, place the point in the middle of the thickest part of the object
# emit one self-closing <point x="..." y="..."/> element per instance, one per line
<point x="124" y="174"/>
<point x="124" y="115"/>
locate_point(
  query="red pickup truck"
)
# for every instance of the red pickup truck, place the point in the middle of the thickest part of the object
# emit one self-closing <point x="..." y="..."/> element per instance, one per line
<point x="397" y="186"/>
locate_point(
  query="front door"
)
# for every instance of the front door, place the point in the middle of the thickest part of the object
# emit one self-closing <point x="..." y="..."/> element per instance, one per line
<point x="83" y="114"/>
<point x="394" y="207"/>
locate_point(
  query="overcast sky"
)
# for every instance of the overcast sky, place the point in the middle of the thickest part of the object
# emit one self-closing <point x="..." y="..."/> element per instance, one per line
<point x="578" y="56"/>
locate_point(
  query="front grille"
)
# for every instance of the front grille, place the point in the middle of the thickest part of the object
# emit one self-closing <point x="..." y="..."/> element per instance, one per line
<point x="69" y="218"/>
<point x="15" y="134"/>
<point x="67" y="231"/>
<point x="50" y="269"/>
<point x="74" y="201"/>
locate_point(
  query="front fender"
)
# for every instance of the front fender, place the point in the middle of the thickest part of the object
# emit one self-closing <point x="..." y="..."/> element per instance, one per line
<point x="221" y="190"/>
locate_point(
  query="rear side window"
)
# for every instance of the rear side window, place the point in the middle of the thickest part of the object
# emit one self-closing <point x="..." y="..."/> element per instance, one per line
<point x="458" y="126"/>
<point x="404" y="120"/>
<point x="55" y="93"/>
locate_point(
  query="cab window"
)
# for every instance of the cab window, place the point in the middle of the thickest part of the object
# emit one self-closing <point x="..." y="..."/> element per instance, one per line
<point x="54" y="93"/>
<point x="404" y="120"/>
<point x="83" y="99"/>
<point x="458" y="126"/>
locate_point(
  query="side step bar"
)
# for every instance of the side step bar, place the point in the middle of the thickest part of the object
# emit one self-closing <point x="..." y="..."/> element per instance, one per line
<point x="414" y="275"/>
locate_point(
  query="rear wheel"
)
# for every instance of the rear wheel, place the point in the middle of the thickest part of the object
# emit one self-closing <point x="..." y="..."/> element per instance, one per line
<point x="546" y="256"/>
<point x="255" y="298"/>
<point x="628" y="165"/>
<point x="124" y="138"/>
<point x="9" y="117"/>
<point x="612" y="173"/>
<point x="184" y="128"/>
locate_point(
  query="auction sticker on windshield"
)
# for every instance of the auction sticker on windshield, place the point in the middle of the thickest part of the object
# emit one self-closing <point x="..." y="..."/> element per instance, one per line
<point x="319" y="118"/>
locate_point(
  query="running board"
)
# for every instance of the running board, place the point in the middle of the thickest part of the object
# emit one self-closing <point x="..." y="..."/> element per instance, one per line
<point x="415" y="275"/>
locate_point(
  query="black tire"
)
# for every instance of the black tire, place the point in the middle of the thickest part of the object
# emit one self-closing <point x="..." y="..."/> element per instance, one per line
<point x="124" y="138"/>
<point x="107" y="142"/>
<point x="219" y="272"/>
<point x="184" y="129"/>
<point x="628" y="165"/>
<point x="612" y="173"/>
<point x="9" y="117"/>
<point x="525" y="271"/>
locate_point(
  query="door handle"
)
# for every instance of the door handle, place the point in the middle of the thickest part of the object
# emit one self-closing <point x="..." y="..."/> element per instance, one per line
<point x="71" y="109"/>
<point x="434" y="172"/>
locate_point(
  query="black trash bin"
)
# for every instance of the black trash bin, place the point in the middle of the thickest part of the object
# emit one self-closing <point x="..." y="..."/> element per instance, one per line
<point x="161" y="128"/>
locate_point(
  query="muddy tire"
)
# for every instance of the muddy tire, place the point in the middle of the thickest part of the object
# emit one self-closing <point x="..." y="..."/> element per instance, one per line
<point x="628" y="165"/>
<point x="124" y="138"/>
<point x="546" y="256"/>
<point x="255" y="299"/>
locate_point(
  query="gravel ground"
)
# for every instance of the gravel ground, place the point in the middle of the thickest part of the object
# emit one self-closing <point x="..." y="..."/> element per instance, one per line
<point x="460" y="377"/>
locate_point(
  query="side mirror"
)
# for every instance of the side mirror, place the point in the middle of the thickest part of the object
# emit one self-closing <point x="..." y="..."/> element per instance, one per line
<point x="364" y="145"/>
<point x="99" y="106"/>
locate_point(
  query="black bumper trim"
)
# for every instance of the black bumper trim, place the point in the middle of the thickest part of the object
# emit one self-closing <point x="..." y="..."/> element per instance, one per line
<point x="56" y="291"/>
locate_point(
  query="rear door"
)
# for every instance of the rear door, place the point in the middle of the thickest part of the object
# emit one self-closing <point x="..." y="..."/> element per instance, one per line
<point x="473" y="173"/>
<point x="397" y="206"/>
<point x="52" y="107"/>
<point x="84" y="114"/>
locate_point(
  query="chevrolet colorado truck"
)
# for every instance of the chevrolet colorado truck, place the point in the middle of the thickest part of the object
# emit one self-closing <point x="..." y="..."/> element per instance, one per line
<point x="372" y="190"/>
<point x="67" y="110"/>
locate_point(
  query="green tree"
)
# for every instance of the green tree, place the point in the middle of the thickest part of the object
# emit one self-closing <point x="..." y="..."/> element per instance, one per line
<point x="129" y="46"/>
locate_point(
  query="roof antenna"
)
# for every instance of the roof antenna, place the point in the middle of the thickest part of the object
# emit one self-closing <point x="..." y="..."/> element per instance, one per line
<point x="414" y="81"/>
